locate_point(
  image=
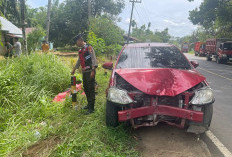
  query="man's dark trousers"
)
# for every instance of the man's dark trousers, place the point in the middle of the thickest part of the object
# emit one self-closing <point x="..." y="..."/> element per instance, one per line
<point x="89" y="88"/>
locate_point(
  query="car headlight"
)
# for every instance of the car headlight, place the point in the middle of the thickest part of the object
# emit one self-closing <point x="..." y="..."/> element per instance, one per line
<point x="203" y="96"/>
<point x="118" y="96"/>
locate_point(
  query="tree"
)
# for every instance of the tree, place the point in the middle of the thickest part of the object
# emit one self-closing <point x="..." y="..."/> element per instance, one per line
<point x="48" y="19"/>
<point x="145" y="34"/>
<point x="34" y="38"/>
<point x="71" y="17"/>
<point x="107" y="29"/>
<point x="214" y="16"/>
<point x="23" y="24"/>
<point x="97" y="43"/>
<point x="112" y="7"/>
<point x="10" y="9"/>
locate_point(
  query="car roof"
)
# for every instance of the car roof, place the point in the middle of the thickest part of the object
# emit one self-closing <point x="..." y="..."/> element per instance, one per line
<point x="149" y="45"/>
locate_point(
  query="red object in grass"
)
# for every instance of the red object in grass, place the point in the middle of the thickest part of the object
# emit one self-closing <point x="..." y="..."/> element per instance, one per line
<point x="61" y="96"/>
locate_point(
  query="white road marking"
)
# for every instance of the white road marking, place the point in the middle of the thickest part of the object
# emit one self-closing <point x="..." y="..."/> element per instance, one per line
<point x="216" y="74"/>
<point x="218" y="144"/>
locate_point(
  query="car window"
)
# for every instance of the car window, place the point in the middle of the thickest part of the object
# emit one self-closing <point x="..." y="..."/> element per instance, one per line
<point x="227" y="46"/>
<point x="152" y="57"/>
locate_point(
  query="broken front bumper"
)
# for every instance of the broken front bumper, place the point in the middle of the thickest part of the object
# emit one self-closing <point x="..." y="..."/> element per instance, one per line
<point x="195" y="116"/>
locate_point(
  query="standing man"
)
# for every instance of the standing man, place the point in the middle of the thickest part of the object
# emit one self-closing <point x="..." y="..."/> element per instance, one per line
<point x="18" y="48"/>
<point x="88" y="62"/>
<point x="9" y="52"/>
<point x="45" y="47"/>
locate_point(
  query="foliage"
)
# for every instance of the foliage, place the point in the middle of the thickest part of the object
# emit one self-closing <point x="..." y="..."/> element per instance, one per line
<point x="28" y="117"/>
<point x="34" y="39"/>
<point x="145" y="34"/>
<point x="97" y="43"/>
<point x="113" y="49"/>
<point x="199" y="35"/>
<point x="71" y="18"/>
<point x="112" y="7"/>
<point x="10" y="9"/>
<point x="36" y="16"/>
<point x="107" y="29"/>
<point x="214" y="16"/>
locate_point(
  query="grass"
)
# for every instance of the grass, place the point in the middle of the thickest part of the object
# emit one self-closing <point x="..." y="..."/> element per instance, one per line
<point x="191" y="52"/>
<point x="28" y="115"/>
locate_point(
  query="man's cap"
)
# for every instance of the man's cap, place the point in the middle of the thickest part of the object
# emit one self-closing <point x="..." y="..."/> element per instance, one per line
<point x="77" y="37"/>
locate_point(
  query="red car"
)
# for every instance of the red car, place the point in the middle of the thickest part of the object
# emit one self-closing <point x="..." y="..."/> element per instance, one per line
<point x="155" y="82"/>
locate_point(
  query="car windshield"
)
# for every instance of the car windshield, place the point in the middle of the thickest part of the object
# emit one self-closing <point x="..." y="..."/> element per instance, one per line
<point x="227" y="46"/>
<point x="152" y="57"/>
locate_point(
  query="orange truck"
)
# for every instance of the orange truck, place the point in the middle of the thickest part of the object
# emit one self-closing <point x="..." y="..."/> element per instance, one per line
<point x="185" y="47"/>
<point x="220" y="49"/>
<point x="199" y="49"/>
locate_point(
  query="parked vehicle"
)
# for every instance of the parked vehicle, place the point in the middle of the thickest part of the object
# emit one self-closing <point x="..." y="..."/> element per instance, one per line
<point x="199" y="49"/>
<point x="155" y="82"/>
<point x="220" y="49"/>
<point x="185" y="47"/>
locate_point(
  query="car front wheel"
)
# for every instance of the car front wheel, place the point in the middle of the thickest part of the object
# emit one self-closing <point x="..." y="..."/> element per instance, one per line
<point x="202" y="127"/>
<point x="111" y="114"/>
<point x="208" y="113"/>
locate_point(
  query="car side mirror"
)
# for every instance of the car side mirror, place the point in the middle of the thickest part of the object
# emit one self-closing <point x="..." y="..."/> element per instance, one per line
<point x="195" y="64"/>
<point x="108" y="65"/>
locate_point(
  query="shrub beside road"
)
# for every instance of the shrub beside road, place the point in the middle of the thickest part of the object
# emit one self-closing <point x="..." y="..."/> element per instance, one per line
<point x="31" y="123"/>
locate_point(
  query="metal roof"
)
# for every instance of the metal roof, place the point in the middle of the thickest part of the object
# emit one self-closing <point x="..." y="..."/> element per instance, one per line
<point x="9" y="27"/>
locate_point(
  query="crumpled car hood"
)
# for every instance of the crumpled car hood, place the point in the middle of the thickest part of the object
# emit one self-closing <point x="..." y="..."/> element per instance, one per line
<point x="161" y="82"/>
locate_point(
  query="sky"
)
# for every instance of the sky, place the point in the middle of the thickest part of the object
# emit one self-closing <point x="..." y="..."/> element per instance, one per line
<point x="171" y="14"/>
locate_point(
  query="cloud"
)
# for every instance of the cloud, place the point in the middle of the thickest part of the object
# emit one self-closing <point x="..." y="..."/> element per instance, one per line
<point x="127" y="20"/>
<point x="171" y="14"/>
<point x="174" y="23"/>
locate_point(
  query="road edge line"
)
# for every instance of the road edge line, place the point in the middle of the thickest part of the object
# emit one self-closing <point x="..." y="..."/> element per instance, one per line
<point x="216" y="74"/>
<point x="218" y="144"/>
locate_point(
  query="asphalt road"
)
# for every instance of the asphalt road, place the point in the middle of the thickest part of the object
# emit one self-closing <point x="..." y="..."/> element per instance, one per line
<point x="219" y="77"/>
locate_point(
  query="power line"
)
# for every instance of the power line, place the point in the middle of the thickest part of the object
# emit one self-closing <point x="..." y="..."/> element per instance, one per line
<point x="133" y="4"/>
<point x="141" y="19"/>
<point x="146" y="11"/>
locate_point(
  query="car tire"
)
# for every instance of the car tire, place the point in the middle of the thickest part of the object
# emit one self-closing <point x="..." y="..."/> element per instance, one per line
<point x="225" y="61"/>
<point x="111" y="114"/>
<point x="218" y="60"/>
<point x="208" y="58"/>
<point x="208" y="114"/>
<point x="202" y="127"/>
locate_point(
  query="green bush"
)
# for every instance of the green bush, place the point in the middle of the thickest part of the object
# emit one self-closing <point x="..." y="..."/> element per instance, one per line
<point x="33" y="39"/>
<point x="27" y="115"/>
<point x="26" y="79"/>
<point x="97" y="43"/>
<point x="113" y="49"/>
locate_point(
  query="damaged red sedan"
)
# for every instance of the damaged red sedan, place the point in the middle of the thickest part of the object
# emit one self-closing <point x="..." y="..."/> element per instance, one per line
<point x="155" y="82"/>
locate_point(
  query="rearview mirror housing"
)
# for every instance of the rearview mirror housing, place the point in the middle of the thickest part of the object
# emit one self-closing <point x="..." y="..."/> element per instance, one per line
<point x="194" y="63"/>
<point x="108" y="65"/>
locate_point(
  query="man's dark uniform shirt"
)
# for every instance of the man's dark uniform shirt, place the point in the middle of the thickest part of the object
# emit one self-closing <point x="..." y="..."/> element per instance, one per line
<point x="87" y="61"/>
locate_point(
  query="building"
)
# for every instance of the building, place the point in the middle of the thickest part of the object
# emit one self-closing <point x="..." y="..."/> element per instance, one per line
<point x="8" y="32"/>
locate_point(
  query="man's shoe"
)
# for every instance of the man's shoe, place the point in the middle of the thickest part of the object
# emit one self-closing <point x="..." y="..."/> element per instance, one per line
<point x="85" y="107"/>
<point x="89" y="112"/>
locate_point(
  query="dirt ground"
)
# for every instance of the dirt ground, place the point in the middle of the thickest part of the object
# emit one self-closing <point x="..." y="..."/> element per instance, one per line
<point x="42" y="148"/>
<point x="168" y="141"/>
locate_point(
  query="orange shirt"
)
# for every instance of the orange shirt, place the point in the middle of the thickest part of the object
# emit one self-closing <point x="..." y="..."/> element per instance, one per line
<point x="45" y="47"/>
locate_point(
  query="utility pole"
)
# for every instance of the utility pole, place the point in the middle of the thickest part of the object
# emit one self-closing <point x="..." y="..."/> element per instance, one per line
<point x="89" y="11"/>
<point x="22" y="5"/>
<point x="48" y="20"/>
<point x="133" y="4"/>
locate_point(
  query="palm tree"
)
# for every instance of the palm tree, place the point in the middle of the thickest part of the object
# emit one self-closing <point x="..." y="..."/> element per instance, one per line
<point x="23" y="24"/>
